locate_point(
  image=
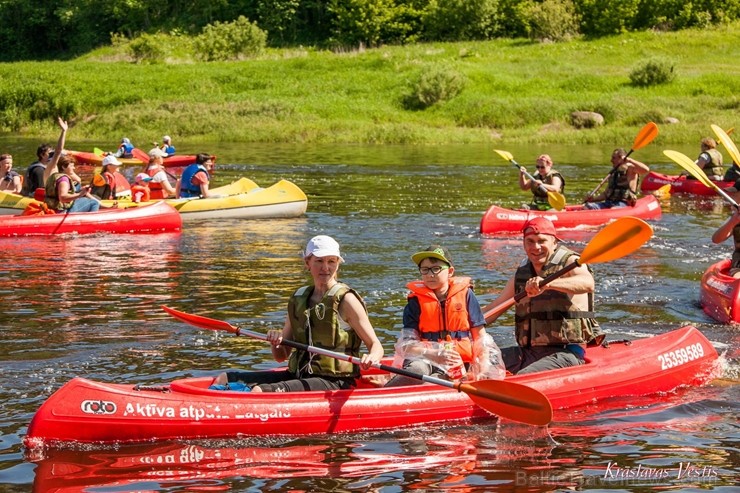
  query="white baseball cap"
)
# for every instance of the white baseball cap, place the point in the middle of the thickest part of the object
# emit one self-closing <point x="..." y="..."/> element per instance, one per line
<point x="111" y="159"/>
<point x="322" y="246"/>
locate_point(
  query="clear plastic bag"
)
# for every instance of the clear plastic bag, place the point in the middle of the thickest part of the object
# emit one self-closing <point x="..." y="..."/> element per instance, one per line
<point x="487" y="361"/>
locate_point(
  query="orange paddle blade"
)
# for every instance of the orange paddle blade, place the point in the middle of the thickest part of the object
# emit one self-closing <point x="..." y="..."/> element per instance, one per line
<point x="620" y="238"/>
<point x="726" y="141"/>
<point x="510" y="400"/>
<point x="200" y="321"/>
<point x="645" y="136"/>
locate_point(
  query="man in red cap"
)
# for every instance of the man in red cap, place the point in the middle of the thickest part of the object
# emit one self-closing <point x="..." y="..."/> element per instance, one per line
<point x="554" y="322"/>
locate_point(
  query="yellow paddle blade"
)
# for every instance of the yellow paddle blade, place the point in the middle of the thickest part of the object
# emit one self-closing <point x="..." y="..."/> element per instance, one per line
<point x="686" y="163"/>
<point x="645" y="136"/>
<point x="620" y="238"/>
<point x="505" y="154"/>
<point x="728" y="143"/>
<point x="663" y="192"/>
<point x="556" y="200"/>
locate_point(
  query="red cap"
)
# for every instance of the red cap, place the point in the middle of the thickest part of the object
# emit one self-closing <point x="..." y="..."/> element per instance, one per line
<point x="539" y="226"/>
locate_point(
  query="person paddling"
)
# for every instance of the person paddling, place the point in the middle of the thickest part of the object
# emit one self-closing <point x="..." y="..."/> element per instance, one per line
<point x="545" y="180"/>
<point x="327" y="313"/>
<point x="555" y="322"/>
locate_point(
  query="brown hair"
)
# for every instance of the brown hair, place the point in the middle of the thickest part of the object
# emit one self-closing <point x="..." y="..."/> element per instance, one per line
<point x="3" y="157"/>
<point x="709" y="142"/>
<point x="65" y="160"/>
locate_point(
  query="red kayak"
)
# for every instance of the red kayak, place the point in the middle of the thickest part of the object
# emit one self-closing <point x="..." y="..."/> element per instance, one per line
<point x="679" y="184"/>
<point x="508" y="221"/>
<point x="140" y="158"/>
<point x="155" y="218"/>
<point x="87" y="411"/>
<point x="719" y="295"/>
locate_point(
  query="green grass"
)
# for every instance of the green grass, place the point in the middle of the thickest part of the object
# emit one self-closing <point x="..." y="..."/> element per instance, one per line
<point x="516" y="91"/>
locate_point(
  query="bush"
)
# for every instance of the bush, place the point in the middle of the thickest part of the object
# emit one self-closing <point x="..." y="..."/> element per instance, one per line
<point x="652" y="73"/>
<point x="460" y="20"/>
<point x="230" y="40"/>
<point x="148" y="48"/>
<point x="435" y="84"/>
<point x="554" y="20"/>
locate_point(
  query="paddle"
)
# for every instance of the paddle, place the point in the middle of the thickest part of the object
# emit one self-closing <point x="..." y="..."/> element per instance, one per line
<point x="555" y="199"/>
<point x="506" y="399"/>
<point x="689" y="165"/>
<point x="616" y="240"/>
<point x="643" y="138"/>
<point x="662" y="192"/>
<point x="98" y="151"/>
<point x="724" y="137"/>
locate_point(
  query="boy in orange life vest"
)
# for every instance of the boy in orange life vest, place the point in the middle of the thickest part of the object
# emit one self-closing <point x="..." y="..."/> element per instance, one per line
<point x="443" y="327"/>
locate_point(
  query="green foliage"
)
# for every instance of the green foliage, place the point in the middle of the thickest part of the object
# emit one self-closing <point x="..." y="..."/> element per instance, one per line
<point x="606" y="17"/>
<point x="652" y="73"/>
<point x="436" y="83"/>
<point x="460" y="20"/>
<point x="148" y="48"/>
<point x="553" y="20"/>
<point x="372" y="22"/>
<point x="27" y="103"/>
<point x="278" y="17"/>
<point x="230" y="40"/>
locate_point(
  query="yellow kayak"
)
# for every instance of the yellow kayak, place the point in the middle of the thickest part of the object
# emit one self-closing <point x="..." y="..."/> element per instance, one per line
<point x="242" y="199"/>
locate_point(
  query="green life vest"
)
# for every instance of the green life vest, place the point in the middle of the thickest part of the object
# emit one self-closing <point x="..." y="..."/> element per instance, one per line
<point x="321" y="326"/>
<point x="540" y="196"/>
<point x="714" y="166"/>
<point x="619" y="187"/>
<point x="52" y="196"/>
<point x="552" y="318"/>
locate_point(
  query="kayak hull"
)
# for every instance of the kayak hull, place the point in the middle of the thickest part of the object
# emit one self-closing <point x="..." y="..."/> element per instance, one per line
<point x="243" y="199"/>
<point x="140" y="158"/>
<point x="95" y="412"/>
<point x="155" y="218"/>
<point x="719" y="295"/>
<point x="679" y="184"/>
<point x="507" y="221"/>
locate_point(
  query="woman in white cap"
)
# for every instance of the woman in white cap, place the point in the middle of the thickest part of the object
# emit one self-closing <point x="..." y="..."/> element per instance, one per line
<point x="105" y="184"/>
<point x="328" y="314"/>
<point x="159" y="186"/>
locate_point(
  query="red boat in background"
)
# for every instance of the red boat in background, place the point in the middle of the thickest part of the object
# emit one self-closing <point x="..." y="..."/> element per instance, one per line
<point x="719" y="295"/>
<point x="680" y="184"/>
<point x="140" y="159"/>
<point x="155" y="218"/>
<point x="507" y="221"/>
<point x="85" y="411"/>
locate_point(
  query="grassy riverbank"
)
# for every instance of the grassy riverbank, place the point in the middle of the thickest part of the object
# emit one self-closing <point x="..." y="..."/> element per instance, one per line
<point x="515" y="91"/>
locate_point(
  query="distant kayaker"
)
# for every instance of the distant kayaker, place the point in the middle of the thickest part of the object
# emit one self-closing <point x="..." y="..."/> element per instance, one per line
<point x="328" y="314"/>
<point x="555" y="322"/>
<point x="56" y="155"/>
<point x="140" y="189"/>
<point x="60" y="194"/>
<point x="196" y="178"/>
<point x="624" y="178"/>
<point x="545" y="178"/>
<point x="160" y="186"/>
<point x="104" y="184"/>
<point x="444" y="333"/>
<point x="167" y="147"/>
<point x="10" y="180"/>
<point x="731" y="227"/>
<point x="710" y="160"/>
<point x="34" y="178"/>
<point x="126" y="149"/>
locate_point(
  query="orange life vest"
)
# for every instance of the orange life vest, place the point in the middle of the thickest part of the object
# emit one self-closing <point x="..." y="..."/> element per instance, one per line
<point x="436" y="325"/>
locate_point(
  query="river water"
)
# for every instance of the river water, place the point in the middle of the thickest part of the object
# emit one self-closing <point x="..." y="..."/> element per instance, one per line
<point x="88" y="306"/>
